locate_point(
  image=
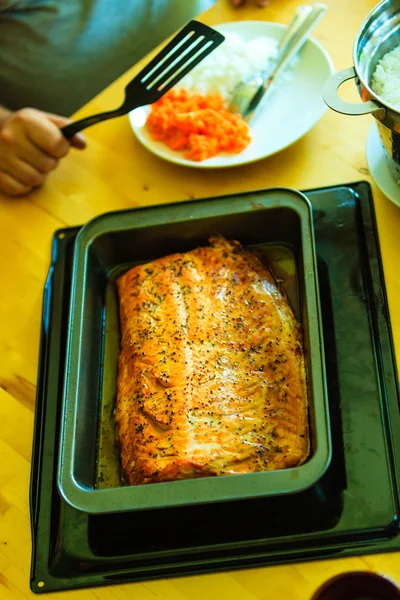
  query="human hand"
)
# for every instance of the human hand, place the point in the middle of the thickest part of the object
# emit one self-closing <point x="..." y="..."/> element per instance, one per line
<point x="31" y="145"/>
<point x="237" y="3"/>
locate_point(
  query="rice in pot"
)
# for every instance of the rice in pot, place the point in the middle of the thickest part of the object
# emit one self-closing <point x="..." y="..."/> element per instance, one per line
<point x="386" y="78"/>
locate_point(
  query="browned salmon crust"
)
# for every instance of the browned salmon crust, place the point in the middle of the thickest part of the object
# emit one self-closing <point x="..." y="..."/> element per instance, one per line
<point x="211" y="374"/>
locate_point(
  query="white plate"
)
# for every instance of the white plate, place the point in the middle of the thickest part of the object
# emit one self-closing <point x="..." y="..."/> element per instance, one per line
<point x="293" y="109"/>
<point x="378" y="167"/>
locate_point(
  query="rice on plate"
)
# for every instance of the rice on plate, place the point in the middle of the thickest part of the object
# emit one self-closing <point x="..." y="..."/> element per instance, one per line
<point x="224" y="68"/>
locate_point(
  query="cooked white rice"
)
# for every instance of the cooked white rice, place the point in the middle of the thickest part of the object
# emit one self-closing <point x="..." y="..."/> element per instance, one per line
<point x="224" y="68"/>
<point x="386" y="78"/>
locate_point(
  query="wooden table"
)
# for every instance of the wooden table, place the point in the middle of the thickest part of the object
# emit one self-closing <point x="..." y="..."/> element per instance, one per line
<point x="115" y="172"/>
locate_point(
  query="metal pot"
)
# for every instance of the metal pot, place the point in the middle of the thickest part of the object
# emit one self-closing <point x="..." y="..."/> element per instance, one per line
<point x="378" y="34"/>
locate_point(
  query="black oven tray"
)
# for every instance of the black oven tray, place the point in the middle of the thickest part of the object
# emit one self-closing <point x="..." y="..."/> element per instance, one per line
<point x="353" y="509"/>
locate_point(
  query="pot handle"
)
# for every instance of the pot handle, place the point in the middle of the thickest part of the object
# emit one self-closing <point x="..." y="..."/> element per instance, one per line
<point x="331" y="98"/>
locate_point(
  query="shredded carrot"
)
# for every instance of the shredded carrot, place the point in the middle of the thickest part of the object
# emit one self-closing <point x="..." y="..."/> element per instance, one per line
<point x="199" y="125"/>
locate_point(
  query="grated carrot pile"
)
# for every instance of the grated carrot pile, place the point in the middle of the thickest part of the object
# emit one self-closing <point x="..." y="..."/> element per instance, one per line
<point x="200" y="125"/>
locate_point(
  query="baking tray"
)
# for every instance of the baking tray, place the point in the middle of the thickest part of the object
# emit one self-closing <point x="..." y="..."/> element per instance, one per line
<point x="353" y="509"/>
<point x="110" y="244"/>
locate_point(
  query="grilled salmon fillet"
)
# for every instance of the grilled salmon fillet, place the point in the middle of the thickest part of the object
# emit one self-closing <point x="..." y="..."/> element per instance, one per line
<point x="211" y="377"/>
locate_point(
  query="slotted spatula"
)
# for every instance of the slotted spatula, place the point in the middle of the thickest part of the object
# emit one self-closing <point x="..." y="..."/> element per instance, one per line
<point x="193" y="43"/>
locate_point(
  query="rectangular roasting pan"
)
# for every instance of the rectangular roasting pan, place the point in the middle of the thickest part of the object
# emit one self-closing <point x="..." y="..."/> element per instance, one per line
<point x="278" y="223"/>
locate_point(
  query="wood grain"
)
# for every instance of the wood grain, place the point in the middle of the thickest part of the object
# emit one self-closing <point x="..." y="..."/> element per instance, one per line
<point x="115" y="172"/>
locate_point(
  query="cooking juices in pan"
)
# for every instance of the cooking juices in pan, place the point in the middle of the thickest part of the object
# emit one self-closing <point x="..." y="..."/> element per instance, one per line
<point x="280" y="226"/>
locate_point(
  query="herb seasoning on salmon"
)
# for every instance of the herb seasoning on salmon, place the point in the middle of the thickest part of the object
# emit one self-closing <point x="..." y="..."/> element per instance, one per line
<point x="211" y="377"/>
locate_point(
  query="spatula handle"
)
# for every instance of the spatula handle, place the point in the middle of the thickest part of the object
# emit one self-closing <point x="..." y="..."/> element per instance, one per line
<point x="70" y="130"/>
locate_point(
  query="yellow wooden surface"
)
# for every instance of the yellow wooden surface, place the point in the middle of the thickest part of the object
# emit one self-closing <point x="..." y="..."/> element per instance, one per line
<point x="115" y="172"/>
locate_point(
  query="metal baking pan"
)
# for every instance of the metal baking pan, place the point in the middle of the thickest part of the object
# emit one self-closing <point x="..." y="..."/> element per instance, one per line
<point x="278" y="223"/>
